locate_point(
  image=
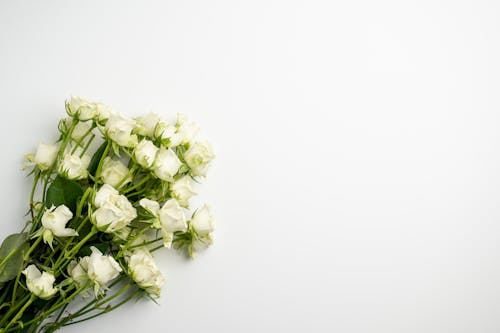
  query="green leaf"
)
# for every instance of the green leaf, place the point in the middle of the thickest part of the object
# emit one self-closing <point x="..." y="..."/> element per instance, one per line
<point x="11" y="256"/>
<point x="94" y="162"/>
<point x="63" y="192"/>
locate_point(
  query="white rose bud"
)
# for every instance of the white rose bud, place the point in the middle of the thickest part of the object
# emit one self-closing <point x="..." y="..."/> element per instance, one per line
<point x="182" y="190"/>
<point x="151" y="206"/>
<point x="172" y="219"/>
<point x="114" y="173"/>
<point x="145" y="272"/>
<point x="81" y="108"/>
<point x="119" y="129"/>
<point x="41" y="284"/>
<point x="78" y="271"/>
<point x="54" y="222"/>
<point x="146" y="124"/>
<point x="44" y="157"/>
<point x="102" y="268"/>
<point x="203" y="221"/>
<point x="145" y="153"/>
<point x="198" y="157"/>
<point x="81" y="128"/>
<point x="166" y="164"/>
<point x="168" y="134"/>
<point x="113" y="212"/>
<point x="186" y="129"/>
<point x="74" y="167"/>
<point x="103" y="112"/>
<point x="103" y="195"/>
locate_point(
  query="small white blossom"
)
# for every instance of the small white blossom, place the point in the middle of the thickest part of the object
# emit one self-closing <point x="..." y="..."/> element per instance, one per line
<point x="145" y="153"/>
<point x="115" y="172"/>
<point x="151" y="206"/>
<point x="113" y="212"/>
<point x="203" y="221"/>
<point x="78" y="271"/>
<point x="44" y="157"/>
<point x="198" y="157"/>
<point x="54" y="222"/>
<point x="146" y="124"/>
<point x="119" y="129"/>
<point x="182" y="190"/>
<point x="144" y="271"/>
<point x="186" y="129"/>
<point x="81" y="108"/>
<point x="168" y="134"/>
<point x="102" y="268"/>
<point x="81" y="128"/>
<point x="172" y="219"/>
<point x="166" y="164"/>
<point x="41" y="284"/>
<point x="74" y="167"/>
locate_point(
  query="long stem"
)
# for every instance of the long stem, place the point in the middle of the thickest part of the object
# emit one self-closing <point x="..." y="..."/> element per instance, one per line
<point x="20" y="313"/>
<point x="108" y="309"/>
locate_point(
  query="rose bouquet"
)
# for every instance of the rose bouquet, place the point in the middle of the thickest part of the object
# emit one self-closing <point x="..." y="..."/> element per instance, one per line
<point x="112" y="191"/>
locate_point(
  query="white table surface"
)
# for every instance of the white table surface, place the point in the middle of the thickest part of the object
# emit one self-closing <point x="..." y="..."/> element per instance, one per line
<point x="357" y="180"/>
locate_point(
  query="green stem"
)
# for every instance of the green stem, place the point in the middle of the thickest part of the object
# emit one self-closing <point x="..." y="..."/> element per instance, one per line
<point x="13" y="309"/>
<point x="87" y="145"/>
<point x="79" y="208"/>
<point x="35" y="244"/>
<point x="20" y="313"/>
<point x="140" y="183"/>
<point x="106" y="310"/>
<point x="32" y="194"/>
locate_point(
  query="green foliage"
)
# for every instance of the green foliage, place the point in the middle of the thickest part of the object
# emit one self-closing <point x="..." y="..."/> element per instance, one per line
<point x="11" y="256"/>
<point x="94" y="162"/>
<point x="64" y="192"/>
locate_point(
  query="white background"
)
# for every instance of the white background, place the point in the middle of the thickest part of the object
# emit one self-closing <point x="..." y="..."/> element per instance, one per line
<point x="356" y="186"/>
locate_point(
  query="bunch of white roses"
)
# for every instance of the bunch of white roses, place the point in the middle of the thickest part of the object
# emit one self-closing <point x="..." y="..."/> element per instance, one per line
<point x="112" y="191"/>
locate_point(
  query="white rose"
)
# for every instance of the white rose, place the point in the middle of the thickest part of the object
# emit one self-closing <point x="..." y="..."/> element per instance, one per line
<point x="78" y="271"/>
<point x="186" y="129"/>
<point x="146" y="124"/>
<point x="151" y="206"/>
<point x="119" y="129"/>
<point x="145" y="153"/>
<point x="203" y="221"/>
<point x="39" y="283"/>
<point x="74" y="167"/>
<point x="103" y="195"/>
<point x="198" y="157"/>
<point x="102" y="268"/>
<point x="144" y="271"/>
<point x="81" y="108"/>
<point x="168" y="134"/>
<point x="182" y="190"/>
<point x="172" y="219"/>
<point x="103" y="112"/>
<point x="54" y="222"/>
<point x="81" y="128"/>
<point x="166" y="164"/>
<point x="114" y="173"/>
<point x="44" y="157"/>
<point x="114" y="211"/>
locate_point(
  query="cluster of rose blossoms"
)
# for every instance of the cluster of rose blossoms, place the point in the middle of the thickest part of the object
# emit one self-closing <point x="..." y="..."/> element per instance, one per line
<point x="102" y="214"/>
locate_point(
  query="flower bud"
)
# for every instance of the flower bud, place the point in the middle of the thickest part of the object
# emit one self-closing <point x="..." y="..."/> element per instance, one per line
<point x="74" y="167"/>
<point x="145" y="153"/>
<point x="144" y="271"/>
<point x="114" y="173"/>
<point x="166" y="164"/>
<point x="198" y="157"/>
<point x="39" y="283"/>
